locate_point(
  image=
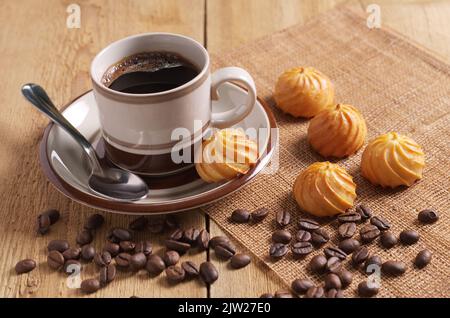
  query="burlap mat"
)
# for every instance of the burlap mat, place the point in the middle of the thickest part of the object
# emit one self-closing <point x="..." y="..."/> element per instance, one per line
<point x="398" y="87"/>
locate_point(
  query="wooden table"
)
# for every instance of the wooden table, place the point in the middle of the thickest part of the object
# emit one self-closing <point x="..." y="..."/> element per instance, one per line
<point x="36" y="46"/>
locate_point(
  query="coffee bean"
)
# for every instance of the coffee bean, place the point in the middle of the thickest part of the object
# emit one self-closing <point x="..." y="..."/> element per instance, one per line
<point x="393" y="268"/>
<point x="428" y="216"/>
<point x="366" y="289"/>
<point x="318" y="264"/>
<point x="301" y="286"/>
<point x="208" y="272"/>
<point x="171" y="258"/>
<point x="84" y="237"/>
<point x="155" y="265"/>
<point x="240" y="260"/>
<point x="308" y="224"/>
<point x="349" y="245"/>
<point x="334" y="293"/>
<point x="380" y="223"/>
<point x="315" y="292"/>
<point x="388" y="240"/>
<point x="72" y="253"/>
<point x="43" y="224"/>
<point x="283" y="218"/>
<point x="349" y="217"/>
<point x="127" y="246"/>
<point x="267" y="295"/>
<point x="176" y="235"/>
<point x="180" y="247"/>
<point x="283" y="293"/>
<point x="371" y="263"/>
<point x="409" y="237"/>
<point x="123" y="260"/>
<point x="102" y="259"/>
<point x="121" y="234"/>
<point x="72" y="266"/>
<point x="171" y="222"/>
<point x="156" y="224"/>
<point x="259" y="214"/>
<point x="368" y="233"/>
<point x="90" y="286"/>
<point x="55" y="260"/>
<point x="53" y="214"/>
<point x="58" y="245"/>
<point x="225" y="250"/>
<point x="347" y="230"/>
<point x="281" y="236"/>
<point x="319" y="237"/>
<point x="360" y="255"/>
<point x="240" y="216"/>
<point x="203" y="240"/>
<point x="217" y="240"/>
<point x="87" y="253"/>
<point x="364" y="211"/>
<point x="25" y="266"/>
<point x="112" y="248"/>
<point x="190" y="268"/>
<point x="303" y="236"/>
<point x="144" y="247"/>
<point x="94" y="222"/>
<point x="332" y="281"/>
<point x="300" y="249"/>
<point x="346" y="277"/>
<point x="278" y="250"/>
<point x="107" y="274"/>
<point x="137" y="261"/>
<point x="333" y="265"/>
<point x="332" y="251"/>
<point x="190" y="235"/>
<point x="423" y="258"/>
<point x="138" y="224"/>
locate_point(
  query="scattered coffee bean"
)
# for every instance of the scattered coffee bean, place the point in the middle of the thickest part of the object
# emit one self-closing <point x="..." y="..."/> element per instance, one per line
<point x="190" y="268"/>
<point x="240" y="260"/>
<point x="121" y="234"/>
<point x="364" y="211"/>
<point x="72" y="253"/>
<point x="300" y="249"/>
<point x="423" y="258"/>
<point x="58" y="245"/>
<point x="176" y="235"/>
<point x="283" y="218"/>
<point x="334" y="265"/>
<point x="90" y="286"/>
<point x="308" y="224"/>
<point x="138" y="224"/>
<point x="107" y="274"/>
<point x="112" y="248"/>
<point x="303" y="236"/>
<point x="225" y="250"/>
<point x="240" y="216"/>
<point x="53" y="214"/>
<point x="171" y="258"/>
<point x="371" y="263"/>
<point x="318" y="264"/>
<point x="380" y="223"/>
<point x="368" y="233"/>
<point x="349" y="245"/>
<point x="360" y="255"/>
<point x="144" y="247"/>
<point x="25" y="266"/>
<point x="208" y="272"/>
<point x="332" y="251"/>
<point x="102" y="259"/>
<point x="180" y="247"/>
<point x="72" y="266"/>
<point x="87" y="253"/>
<point x="346" y="277"/>
<point x="388" y="240"/>
<point x="155" y="265"/>
<point x="409" y="237"/>
<point x="347" y="230"/>
<point x="283" y="293"/>
<point x="259" y="214"/>
<point x="281" y="236"/>
<point x="349" y="217"/>
<point x="43" y="224"/>
<point x="301" y="286"/>
<point x="190" y="235"/>
<point x="203" y="240"/>
<point x="127" y="246"/>
<point x="278" y="250"/>
<point x="171" y="222"/>
<point x="55" y="260"/>
<point x="366" y="289"/>
<point x="156" y="224"/>
<point x="334" y="293"/>
<point x="332" y="281"/>
<point x="315" y="292"/>
<point x="393" y="268"/>
<point x="267" y="295"/>
<point x="123" y="260"/>
<point x="137" y="261"/>
<point x="94" y="222"/>
<point x="319" y="237"/>
<point x="84" y="237"/>
<point x="428" y="216"/>
<point x="217" y="240"/>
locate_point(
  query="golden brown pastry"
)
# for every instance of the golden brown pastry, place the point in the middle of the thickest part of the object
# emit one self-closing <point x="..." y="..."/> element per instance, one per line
<point x="324" y="189"/>
<point x="303" y="92"/>
<point x="227" y="154"/>
<point x="338" y="131"/>
<point x="391" y="160"/>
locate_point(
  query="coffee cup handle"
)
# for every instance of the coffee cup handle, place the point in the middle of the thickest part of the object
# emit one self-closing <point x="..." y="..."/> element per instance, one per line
<point x="239" y="112"/>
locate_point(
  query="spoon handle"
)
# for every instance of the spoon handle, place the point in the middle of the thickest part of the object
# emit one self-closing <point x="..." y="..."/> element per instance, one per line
<point x="36" y="95"/>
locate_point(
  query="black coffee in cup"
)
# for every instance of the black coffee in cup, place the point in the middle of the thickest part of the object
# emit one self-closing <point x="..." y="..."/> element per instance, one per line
<point x="149" y="72"/>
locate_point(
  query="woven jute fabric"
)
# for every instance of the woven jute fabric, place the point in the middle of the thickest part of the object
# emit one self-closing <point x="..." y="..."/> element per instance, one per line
<point x="398" y="86"/>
